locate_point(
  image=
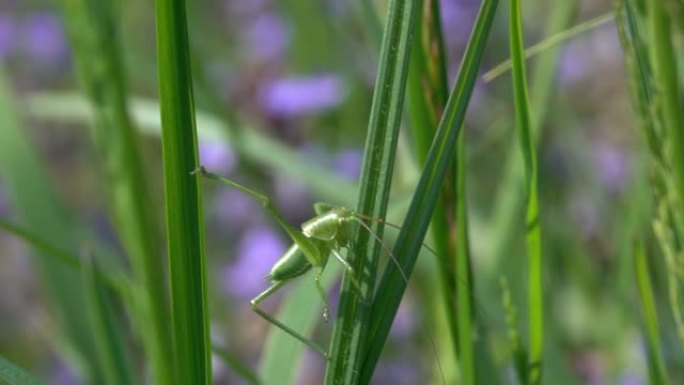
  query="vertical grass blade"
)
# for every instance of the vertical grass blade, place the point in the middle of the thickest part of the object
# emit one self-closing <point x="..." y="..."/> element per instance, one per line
<point x="94" y="37"/>
<point x="184" y="223"/>
<point x="15" y="375"/>
<point x="392" y="285"/>
<point x="464" y="310"/>
<point x="508" y="204"/>
<point x="37" y="208"/>
<point x="512" y="327"/>
<point x="533" y="234"/>
<point x="110" y="342"/>
<point x="428" y="91"/>
<point x="656" y="366"/>
<point x="668" y="90"/>
<point x="349" y="336"/>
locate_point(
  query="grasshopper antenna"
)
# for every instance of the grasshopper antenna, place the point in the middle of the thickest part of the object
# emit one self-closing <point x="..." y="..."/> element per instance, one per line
<point x="477" y="303"/>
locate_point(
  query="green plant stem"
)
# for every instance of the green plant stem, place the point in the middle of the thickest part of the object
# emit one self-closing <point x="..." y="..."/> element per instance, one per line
<point x="428" y="91"/>
<point x="552" y="41"/>
<point x="184" y="220"/>
<point x="94" y="37"/>
<point x="533" y="235"/>
<point x="410" y="240"/>
<point x="349" y="341"/>
<point x="668" y="92"/>
<point x="465" y="289"/>
<point x="656" y="366"/>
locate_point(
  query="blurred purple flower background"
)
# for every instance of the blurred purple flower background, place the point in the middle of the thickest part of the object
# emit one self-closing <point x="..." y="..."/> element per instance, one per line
<point x="217" y="157"/>
<point x="43" y="38"/>
<point x="256" y="252"/>
<point x="303" y="95"/>
<point x="7" y="35"/>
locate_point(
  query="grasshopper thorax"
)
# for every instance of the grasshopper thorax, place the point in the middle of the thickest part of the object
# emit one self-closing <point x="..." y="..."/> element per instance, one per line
<point x="332" y="225"/>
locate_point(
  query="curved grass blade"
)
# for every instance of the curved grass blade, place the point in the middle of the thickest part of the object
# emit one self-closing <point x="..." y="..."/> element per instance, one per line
<point x="15" y="375"/>
<point x="533" y="235"/>
<point x="392" y="285"/>
<point x="349" y="335"/>
<point x="184" y="222"/>
<point x="94" y="37"/>
<point x="551" y="41"/>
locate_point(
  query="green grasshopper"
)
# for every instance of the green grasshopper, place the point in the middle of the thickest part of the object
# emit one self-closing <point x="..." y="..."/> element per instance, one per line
<point x="320" y="237"/>
<point x="323" y="235"/>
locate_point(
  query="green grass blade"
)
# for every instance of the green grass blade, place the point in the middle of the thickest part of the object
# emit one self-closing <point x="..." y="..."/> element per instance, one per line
<point x="428" y="91"/>
<point x="508" y="203"/>
<point x="428" y="87"/>
<point x="233" y="362"/>
<point x="668" y="90"/>
<point x="533" y="233"/>
<point x="392" y="285"/>
<point x="641" y="77"/>
<point x="40" y="211"/>
<point x="184" y="222"/>
<point x="94" y="37"/>
<point x="109" y="340"/>
<point x="250" y="143"/>
<point x="15" y="375"/>
<point x="112" y="275"/>
<point x="656" y="366"/>
<point x="465" y="289"/>
<point x="552" y="41"/>
<point x="513" y="334"/>
<point x="349" y="335"/>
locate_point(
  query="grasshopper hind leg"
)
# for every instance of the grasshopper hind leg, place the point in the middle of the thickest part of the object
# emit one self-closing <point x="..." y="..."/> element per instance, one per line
<point x="270" y="319"/>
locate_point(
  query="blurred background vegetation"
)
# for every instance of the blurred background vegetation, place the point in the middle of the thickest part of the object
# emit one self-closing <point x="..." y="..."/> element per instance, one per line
<point x="296" y="78"/>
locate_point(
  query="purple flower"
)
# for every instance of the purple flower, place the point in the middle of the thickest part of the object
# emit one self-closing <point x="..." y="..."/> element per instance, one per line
<point x="217" y="157"/>
<point x="44" y="39"/>
<point x="348" y="163"/>
<point x="234" y="209"/>
<point x="457" y="19"/>
<point x="7" y="35"/>
<point x="63" y="374"/>
<point x="257" y="251"/>
<point x="296" y="96"/>
<point x="293" y="198"/>
<point x="573" y="63"/>
<point x="266" y="37"/>
<point x="612" y="166"/>
<point x="404" y="322"/>
<point x="631" y="379"/>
